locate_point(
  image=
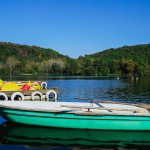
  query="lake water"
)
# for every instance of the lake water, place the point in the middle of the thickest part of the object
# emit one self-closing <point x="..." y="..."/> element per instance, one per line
<point x="126" y="90"/>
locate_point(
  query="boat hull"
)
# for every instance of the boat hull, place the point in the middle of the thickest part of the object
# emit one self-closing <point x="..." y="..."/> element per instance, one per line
<point x="71" y="120"/>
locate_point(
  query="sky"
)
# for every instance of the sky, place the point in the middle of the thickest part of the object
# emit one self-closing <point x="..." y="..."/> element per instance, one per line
<point x="75" y="27"/>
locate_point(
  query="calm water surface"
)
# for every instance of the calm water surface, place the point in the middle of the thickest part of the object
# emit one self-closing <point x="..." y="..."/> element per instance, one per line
<point x="13" y="136"/>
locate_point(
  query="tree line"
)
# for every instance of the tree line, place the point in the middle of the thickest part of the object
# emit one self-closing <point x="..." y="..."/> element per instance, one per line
<point x="18" y="59"/>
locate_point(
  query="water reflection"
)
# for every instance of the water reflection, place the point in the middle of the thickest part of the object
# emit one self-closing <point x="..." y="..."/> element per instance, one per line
<point x="123" y="90"/>
<point x="132" y="91"/>
<point x="49" y="77"/>
<point x="96" y="88"/>
<point x="41" y="137"/>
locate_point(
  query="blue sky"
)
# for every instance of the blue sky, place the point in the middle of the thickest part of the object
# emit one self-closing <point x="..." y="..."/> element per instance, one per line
<point x="75" y="27"/>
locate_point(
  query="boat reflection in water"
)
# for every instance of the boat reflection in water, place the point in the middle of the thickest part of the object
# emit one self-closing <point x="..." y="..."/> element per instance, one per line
<point x="33" y="136"/>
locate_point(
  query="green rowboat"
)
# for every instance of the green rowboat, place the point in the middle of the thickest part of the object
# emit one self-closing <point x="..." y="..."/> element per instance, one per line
<point x="101" y="116"/>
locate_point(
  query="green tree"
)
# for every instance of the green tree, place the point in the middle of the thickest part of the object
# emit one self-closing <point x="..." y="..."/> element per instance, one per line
<point x="128" y="67"/>
<point x="11" y="64"/>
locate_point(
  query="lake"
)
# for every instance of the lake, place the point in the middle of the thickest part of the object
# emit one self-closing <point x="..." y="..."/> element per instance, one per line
<point x="126" y="90"/>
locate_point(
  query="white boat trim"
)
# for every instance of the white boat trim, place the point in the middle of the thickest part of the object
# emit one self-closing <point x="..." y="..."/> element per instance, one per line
<point x="76" y="108"/>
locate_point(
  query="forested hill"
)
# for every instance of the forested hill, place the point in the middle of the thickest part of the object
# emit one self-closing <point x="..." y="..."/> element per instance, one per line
<point x="24" y="59"/>
<point x="138" y="53"/>
<point x="126" y="60"/>
<point x="25" y="52"/>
